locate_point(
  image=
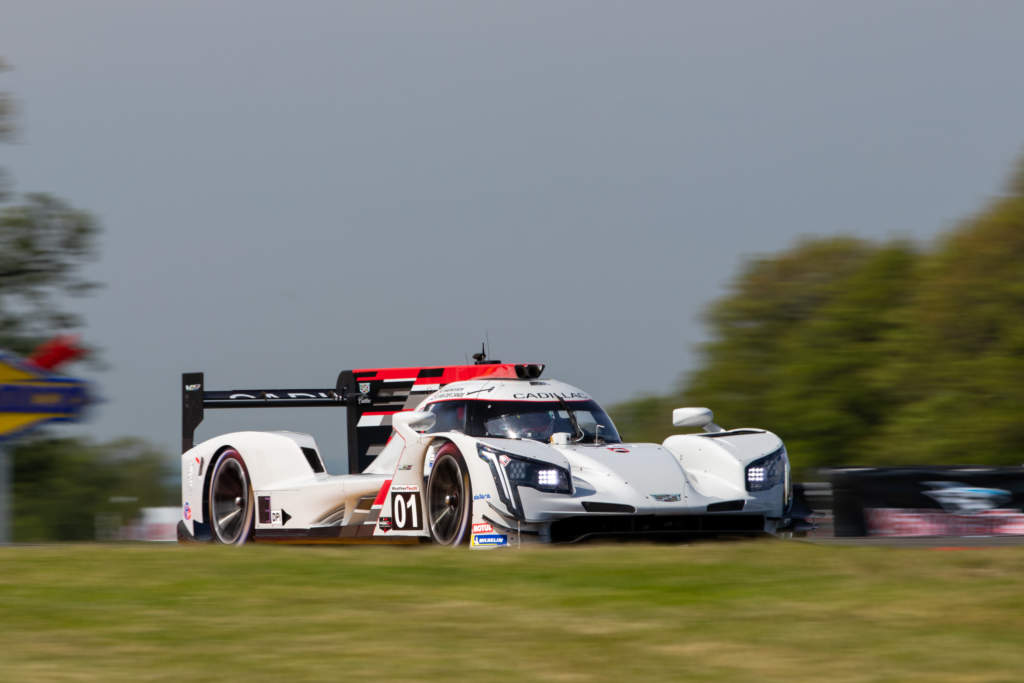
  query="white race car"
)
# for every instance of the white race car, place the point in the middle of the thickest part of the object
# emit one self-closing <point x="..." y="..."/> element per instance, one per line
<point x="487" y="455"/>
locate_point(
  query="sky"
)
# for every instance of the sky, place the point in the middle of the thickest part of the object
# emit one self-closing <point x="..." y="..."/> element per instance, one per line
<point x="291" y="189"/>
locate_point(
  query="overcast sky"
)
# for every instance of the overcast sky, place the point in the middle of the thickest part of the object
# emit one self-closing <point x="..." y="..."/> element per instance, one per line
<point x="291" y="189"/>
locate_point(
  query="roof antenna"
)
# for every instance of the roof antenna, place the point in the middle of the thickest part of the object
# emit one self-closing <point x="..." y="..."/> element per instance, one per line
<point x="481" y="358"/>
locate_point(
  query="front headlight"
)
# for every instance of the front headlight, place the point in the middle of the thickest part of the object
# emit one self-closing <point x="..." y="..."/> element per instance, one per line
<point x="769" y="471"/>
<point x="543" y="476"/>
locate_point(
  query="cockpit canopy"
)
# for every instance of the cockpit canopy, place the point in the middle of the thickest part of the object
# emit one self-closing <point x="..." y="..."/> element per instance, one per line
<point x="585" y="421"/>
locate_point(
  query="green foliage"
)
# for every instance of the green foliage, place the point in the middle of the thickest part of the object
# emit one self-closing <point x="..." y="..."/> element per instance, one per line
<point x="959" y="366"/>
<point x="44" y="242"/>
<point x="61" y="486"/>
<point x="6" y="128"/>
<point x="864" y="353"/>
<point x="6" y="110"/>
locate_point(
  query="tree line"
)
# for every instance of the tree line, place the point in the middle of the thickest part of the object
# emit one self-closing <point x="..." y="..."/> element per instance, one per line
<point x="62" y="485"/>
<point x="871" y="353"/>
<point x="855" y="352"/>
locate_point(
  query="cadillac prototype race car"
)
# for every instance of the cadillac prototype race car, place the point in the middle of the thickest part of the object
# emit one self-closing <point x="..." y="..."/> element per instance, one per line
<point x="487" y="455"/>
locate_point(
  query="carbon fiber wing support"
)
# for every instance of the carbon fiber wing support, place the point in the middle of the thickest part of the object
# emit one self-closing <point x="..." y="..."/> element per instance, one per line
<point x="195" y="400"/>
<point x="371" y="397"/>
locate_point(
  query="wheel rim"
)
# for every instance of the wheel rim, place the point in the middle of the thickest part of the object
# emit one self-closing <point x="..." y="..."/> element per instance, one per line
<point x="230" y="501"/>
<point x="447" y="501"/>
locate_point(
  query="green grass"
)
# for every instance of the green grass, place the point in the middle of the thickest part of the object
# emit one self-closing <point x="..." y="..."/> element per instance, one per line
<point x="737" y="611"/>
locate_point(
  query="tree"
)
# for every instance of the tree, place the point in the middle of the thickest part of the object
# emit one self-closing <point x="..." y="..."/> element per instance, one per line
<point x="863" y="353"/>
<point x="44" y="242"/>
<point x="6" y="126"/>
<point x="62" y="486"/>
<point x="795" y="347"/>
<point x="958" y="363"/>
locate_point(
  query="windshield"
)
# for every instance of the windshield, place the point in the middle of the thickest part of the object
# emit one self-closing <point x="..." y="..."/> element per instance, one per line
<point x="525" y="419"/>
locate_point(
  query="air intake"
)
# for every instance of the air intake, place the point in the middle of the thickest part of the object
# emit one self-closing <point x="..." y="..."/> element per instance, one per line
<point x="313" y="459"/>
<point x="530" y="371"/>
<point x="727" y="506"/>
<point x="608" y="507"/>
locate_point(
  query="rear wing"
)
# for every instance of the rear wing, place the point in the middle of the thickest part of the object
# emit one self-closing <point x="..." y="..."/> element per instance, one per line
<point x="370" y="396"/>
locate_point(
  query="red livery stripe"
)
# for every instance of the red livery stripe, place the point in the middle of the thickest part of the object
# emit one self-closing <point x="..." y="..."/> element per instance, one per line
<point x="383" y="493"/>
<point x="451" y="373"/>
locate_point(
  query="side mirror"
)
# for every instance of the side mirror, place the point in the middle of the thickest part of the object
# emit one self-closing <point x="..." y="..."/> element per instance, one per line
<point x="417" y="421"/>
<point x="692" y="417"/>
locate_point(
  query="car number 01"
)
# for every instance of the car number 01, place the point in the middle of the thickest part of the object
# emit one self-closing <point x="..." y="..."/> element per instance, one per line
<point x="405" y="510"/>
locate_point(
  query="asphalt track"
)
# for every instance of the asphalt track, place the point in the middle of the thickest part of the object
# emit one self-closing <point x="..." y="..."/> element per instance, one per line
<point x="938" y="542"/>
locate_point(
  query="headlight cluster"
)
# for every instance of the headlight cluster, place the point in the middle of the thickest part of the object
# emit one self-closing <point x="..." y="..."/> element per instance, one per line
<point x="543" y="476"/>
<point x="769" y="471"/>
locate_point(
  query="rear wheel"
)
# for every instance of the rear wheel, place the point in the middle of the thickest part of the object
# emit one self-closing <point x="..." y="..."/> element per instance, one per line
<point x="449" y="498"/>
<point x="230" y="503"/>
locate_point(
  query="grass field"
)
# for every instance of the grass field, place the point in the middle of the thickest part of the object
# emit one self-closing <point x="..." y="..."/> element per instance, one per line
<point x="745" y="611"/>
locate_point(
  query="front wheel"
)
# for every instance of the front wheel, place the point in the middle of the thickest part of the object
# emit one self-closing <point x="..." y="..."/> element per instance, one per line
<point x="449" y="498"/>
<point x="230" y="503"/>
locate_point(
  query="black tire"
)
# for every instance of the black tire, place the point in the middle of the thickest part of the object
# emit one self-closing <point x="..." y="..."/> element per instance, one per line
<point x="229" y="502"/>
<point x="449" y="498"/>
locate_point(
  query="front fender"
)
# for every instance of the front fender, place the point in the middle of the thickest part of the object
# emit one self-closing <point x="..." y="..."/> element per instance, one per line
<point x="716" y="466"/>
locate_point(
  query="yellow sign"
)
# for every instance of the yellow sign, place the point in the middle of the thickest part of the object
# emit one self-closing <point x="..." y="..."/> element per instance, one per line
<point x="31" y="396"/>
